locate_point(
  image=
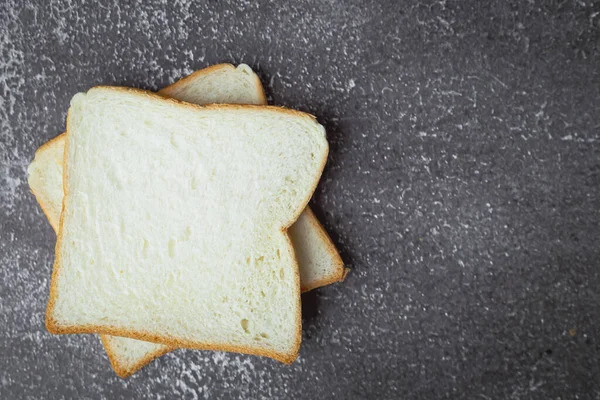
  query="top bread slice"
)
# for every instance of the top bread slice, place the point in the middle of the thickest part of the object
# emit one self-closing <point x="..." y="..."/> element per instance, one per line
<point x="174" y="222"/>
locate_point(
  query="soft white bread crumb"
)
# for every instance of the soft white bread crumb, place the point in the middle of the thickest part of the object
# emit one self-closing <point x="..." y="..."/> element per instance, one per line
<point x="162" y="240"/>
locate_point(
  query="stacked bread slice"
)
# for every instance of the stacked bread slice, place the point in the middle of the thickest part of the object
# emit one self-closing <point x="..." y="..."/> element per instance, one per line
<point x="182" y="225"/>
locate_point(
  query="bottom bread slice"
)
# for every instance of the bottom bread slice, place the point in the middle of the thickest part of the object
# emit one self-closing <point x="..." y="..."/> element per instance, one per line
<point x="319" y="261"/>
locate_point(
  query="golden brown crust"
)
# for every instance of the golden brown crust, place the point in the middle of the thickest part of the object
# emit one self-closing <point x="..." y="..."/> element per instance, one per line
<point x="121" y="370"/>
<point x="338" y="273"/>
<point x="54" y="327"/>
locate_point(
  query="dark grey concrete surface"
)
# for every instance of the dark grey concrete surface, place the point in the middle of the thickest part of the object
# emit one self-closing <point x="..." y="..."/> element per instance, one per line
<point x="462" y="189"/>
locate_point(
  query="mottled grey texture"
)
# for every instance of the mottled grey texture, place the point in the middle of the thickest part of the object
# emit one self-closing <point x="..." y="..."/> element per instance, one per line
<point x="463" y="189"/>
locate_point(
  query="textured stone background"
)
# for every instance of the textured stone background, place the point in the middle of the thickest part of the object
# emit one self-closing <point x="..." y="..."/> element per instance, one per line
<point x="463" y="189"/>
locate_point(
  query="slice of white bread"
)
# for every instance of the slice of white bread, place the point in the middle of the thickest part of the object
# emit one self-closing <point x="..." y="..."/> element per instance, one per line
<point x="314" y="248"/>
<point x="174" y="222"/>
<point x="318" y="259"/>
